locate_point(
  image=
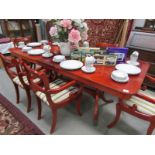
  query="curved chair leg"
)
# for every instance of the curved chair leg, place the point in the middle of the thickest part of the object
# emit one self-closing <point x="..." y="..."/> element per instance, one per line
<point x="96" y="108"/>
<point x="17" y="92"/>
<point x="28" y="94"/>
<point x="78" y="105"/>
<point x="118" y="113"/>
<point x="39" y="107"/>
<point x="54" y="120"/>
<point x="150" y="129"/>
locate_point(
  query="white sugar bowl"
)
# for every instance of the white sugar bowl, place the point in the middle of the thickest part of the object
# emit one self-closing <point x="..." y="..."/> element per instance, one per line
<point x="58" y="58"/>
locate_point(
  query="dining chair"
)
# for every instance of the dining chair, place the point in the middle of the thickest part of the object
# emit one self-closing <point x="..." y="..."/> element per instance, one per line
<point x="26" y="40"/>
<point x="141" y="105"/>
<point x="18" y="77"/>
<point x="56" y="94"/>
<point x="105" y="45"/>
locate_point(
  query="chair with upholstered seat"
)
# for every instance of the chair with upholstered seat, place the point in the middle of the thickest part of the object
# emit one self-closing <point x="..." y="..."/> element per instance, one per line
<point x="56" y="94"/>
<point x="18" y="77"/>
<point x="141" y="105"/>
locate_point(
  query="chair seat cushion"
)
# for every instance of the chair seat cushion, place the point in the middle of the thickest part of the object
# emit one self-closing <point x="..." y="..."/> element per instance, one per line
<point x="59" y="97"/>
<point x="18" y="82"/>
<point x="143" y="105"/>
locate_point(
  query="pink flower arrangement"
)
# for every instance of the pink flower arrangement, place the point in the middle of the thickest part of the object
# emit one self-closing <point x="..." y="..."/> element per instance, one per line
<point x="53" y="31"/>
<point x="74" y="36"/>
<point x="66" y="30"/>
<point x="66" y="23"/>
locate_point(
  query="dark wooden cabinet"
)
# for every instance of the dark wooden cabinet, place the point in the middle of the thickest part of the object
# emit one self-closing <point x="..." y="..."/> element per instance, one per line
<point x="20" y="27"/>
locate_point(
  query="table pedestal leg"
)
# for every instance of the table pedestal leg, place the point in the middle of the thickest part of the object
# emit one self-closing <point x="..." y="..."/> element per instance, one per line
<point x="104" y="99"/>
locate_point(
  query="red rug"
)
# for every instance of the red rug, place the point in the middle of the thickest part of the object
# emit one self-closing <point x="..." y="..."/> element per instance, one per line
<point x="14" y="122"/>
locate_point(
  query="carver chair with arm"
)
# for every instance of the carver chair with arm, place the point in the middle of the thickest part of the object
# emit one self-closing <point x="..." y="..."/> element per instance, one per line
<point x="18" y="77"/>
<point x="141" y="105"/>
<point x="56" y="94"/>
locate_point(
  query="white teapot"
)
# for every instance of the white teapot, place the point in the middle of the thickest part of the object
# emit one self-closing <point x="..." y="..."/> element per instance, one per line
<point x="89" y="62"/>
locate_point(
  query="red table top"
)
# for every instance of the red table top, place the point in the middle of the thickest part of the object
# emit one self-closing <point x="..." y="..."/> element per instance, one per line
<point x="101" y="79"/>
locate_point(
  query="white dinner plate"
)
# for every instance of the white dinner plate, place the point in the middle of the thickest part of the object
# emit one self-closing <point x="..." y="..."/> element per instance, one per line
<point x="91" y="70"/>
<point x="71" y="64"/>
<point x="34" y="44"/>
<point x="131" y="63"/>
<point x="36" y="52"/>
<point x="129" y="69"/>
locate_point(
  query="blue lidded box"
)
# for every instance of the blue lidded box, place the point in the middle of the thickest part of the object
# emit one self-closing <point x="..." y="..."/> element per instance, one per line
<point x="120" y="52"/>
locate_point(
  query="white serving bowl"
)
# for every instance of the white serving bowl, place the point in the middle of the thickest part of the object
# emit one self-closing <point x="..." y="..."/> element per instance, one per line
<point x="58" y="58"/>
<point x="119" y="76"/>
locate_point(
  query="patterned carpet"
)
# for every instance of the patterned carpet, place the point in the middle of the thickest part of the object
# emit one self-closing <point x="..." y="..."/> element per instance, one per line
<point x="13" y="122"/>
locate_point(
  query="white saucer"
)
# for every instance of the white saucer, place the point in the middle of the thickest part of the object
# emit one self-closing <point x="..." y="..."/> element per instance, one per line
<point x="120" y="81"/>
<point x="47" y="55"/>
<point x="91" y="70"/>
<point x="135" y="64"/>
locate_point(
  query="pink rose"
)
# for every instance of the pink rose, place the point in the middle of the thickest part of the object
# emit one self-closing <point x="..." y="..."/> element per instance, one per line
<point x="84" y="35"/>
<point x="74" y="36"/>
<point x="53" y="31"/>
<point x="66" y="23"/>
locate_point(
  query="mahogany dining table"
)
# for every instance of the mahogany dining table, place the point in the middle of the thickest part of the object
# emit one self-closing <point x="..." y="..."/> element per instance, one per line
<point x="100" y="80"/>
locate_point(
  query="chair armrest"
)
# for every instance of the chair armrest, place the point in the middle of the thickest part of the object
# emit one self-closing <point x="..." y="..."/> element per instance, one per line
<point x="54" y="91"/>
<point x="145" y="98"/>
<point x="150" y="78"/>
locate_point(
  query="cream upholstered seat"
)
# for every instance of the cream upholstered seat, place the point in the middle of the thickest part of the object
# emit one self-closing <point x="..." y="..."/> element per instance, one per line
<point x="18" y="82"/>
<point x="143" y="105"/>
<point x="62" y="95"/>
